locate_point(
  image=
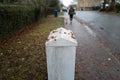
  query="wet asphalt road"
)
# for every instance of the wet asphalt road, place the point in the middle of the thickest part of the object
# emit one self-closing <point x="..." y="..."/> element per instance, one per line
<point x="93" y="61"/>
<point x="105" y="26"/>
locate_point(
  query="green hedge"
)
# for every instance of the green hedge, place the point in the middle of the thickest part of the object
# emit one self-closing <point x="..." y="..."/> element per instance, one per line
<point x="117" y="7"/>
<point x="50" y="10"/>
<point x="16" y="17"/>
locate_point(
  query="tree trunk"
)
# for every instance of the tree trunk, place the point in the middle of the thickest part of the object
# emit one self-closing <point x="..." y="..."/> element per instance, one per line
<point x="112" y="6"/>
<point x="104" y="4"/>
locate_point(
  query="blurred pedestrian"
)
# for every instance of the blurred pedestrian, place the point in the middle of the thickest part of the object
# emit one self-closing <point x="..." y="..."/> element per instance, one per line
<point x="71" y="12"/>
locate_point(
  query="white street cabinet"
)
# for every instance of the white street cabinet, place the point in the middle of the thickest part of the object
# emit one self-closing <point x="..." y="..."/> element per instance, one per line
<point x="60" y="54"/>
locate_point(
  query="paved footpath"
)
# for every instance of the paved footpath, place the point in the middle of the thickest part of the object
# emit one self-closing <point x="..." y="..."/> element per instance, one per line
<point x="93" y="62"/>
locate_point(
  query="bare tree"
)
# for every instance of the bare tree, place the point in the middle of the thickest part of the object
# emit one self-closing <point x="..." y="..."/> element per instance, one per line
<point x="104" y="4"/>
<point x="112" y="5"/>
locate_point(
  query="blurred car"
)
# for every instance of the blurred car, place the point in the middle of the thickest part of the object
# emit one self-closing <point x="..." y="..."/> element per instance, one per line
<point x="64" y="9"/>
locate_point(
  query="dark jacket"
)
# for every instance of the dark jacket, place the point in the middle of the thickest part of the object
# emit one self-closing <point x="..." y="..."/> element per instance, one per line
<point x="71" y="11"/>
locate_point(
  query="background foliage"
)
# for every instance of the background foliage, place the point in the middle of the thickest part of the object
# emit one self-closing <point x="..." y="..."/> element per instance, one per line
<point x="17" y="14"/>
<point x="14" y="18"/>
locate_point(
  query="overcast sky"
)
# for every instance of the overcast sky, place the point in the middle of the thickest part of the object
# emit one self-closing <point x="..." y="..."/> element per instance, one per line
<point x="67" y="2"/>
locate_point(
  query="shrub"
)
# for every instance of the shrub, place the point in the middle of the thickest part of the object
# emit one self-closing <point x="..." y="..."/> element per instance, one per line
<point x="117" y="7"/>
<point x="50" y="10"/>
<point x="15" y="17"/>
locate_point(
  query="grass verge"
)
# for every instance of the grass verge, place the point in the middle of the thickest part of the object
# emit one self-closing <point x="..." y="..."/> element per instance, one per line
<point x="23" y="57"/>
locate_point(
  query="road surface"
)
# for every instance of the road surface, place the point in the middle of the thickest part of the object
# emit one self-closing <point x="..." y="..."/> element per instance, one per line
<point x="106" y="28"/>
